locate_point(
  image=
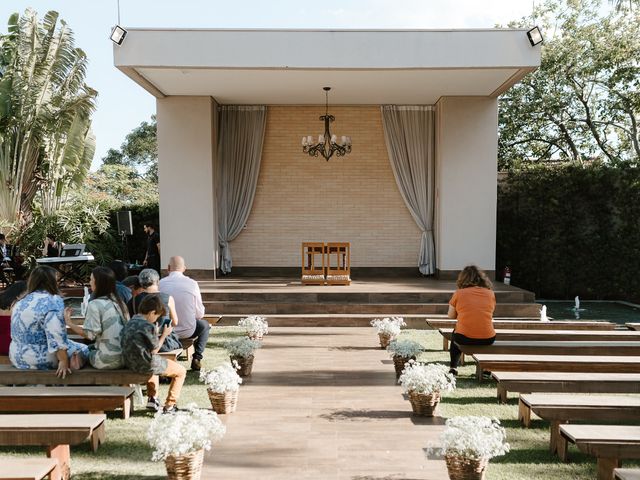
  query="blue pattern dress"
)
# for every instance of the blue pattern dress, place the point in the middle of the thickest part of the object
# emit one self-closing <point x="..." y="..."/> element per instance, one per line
<point x="38" y="331"/>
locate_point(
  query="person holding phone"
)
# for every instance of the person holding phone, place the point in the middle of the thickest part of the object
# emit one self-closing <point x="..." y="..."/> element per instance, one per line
<point x="149" y="281"/>
<point x="141" y="342"/>
<point x="104" y="321"/>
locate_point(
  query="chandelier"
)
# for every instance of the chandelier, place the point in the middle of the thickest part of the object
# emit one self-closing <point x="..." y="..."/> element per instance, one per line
<point x="327" y="144"/>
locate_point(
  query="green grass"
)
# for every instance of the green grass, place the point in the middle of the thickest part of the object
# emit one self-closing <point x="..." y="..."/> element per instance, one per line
<point x="529" y="457"/>
<point x="126" y="454"/>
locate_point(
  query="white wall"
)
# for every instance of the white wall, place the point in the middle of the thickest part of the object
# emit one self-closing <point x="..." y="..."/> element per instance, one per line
<point x="466" y="191"/>
<point x="186" y="142"/>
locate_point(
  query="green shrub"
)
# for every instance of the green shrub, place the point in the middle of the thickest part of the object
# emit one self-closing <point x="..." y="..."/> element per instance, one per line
<point x="571" y="230"/>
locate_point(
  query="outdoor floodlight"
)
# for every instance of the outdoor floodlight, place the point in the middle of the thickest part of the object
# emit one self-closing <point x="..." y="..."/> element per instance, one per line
<point x="117" y="35"/>
<point x="535" y="36"/>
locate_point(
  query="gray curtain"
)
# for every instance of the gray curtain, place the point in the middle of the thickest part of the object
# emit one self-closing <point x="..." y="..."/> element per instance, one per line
<point x="409" y="132"/>
<point x="240" y="139"/>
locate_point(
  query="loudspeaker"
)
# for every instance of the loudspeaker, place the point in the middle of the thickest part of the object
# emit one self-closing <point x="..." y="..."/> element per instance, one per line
<point x="124" y="223"/>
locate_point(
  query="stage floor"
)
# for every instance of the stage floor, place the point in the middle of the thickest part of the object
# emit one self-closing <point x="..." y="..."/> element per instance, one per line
<point x="367" y="285"/>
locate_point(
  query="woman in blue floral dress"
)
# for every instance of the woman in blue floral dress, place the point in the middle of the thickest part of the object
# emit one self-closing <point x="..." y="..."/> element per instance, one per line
<point x="38" y="333"/>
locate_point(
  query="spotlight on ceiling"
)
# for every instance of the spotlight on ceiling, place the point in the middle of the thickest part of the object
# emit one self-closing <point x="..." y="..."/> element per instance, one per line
<point x="117" y="35"/>
<point x="535" y="36"/>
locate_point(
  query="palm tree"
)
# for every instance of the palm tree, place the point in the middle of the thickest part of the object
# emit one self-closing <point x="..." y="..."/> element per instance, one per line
<point x="46" y="144"/>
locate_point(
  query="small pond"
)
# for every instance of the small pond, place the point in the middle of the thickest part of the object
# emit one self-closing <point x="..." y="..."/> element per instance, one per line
<point x="615" y="312"/>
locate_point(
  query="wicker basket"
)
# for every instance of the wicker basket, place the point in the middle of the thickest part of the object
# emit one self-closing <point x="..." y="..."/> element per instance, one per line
<point x="398" y="363"/>
<point x="462" y="468"/>
<point x="254" y="336"/>
<point x="185" y="467"/>
<point x="424" y="404"/>
<point x="245" y="364"/>
<point x="224" y="402"/>
<point x="385" y="339"/>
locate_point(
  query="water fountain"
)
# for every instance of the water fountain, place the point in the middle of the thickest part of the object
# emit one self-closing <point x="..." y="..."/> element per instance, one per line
<point x="543" y="314"/>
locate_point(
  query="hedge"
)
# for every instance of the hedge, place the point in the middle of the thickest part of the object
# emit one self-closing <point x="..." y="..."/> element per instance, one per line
<point x="569" y="230"/>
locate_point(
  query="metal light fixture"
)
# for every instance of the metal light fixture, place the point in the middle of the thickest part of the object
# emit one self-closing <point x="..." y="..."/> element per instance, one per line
<point x="535" y="36"/>
<point x="117" y="35"/>
<point x="327" y="144"/>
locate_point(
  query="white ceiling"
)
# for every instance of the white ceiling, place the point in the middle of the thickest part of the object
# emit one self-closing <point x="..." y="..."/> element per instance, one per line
<point x="349" y="87"/>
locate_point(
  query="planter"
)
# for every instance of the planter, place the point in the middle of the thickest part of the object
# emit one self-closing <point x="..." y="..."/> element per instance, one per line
<point x="225" y="402"/>
<point x="245" y="364"/>
<point x="398" y="363"/>
<point x="462" y="468"/>
<point x="254" y="336"/>
<point x="424" y="404"/>
<point x="185" y="467"/>
<point x="385" y="339"/>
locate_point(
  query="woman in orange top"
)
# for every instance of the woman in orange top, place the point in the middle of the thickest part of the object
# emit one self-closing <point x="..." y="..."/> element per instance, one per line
<point x="473" y="305"/>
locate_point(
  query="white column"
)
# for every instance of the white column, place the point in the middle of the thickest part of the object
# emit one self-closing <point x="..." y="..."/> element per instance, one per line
<point x="186" y="149"/>
<point x="466" y="183"/>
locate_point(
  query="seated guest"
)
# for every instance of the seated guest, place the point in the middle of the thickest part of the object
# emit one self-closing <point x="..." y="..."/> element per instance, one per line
<point x="10" y="258"/>
<point x="149" y="279"/>
<point x="140" y="347"/>
<point x="52" y="248"/>
<point x="104" y="321"/>
<point x="133" y="284"/>
<point x="121" y="271"/>
<point x="189" y="306"/>
<point x="7" y="299"/>
<point x="38" y="334"/>
<point x="472" y="305"/>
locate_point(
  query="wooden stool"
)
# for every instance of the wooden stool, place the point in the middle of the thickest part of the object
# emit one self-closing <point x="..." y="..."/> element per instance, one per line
<point x="338" y="263"/>
<point x="313" y="263"/>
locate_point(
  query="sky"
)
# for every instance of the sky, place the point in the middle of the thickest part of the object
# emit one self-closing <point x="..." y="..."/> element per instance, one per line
<point x="122" y="104"/>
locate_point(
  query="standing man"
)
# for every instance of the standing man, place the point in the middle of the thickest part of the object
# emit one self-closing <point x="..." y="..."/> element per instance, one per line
<point x="152" y="257"/>
<point x="189" y="307"/>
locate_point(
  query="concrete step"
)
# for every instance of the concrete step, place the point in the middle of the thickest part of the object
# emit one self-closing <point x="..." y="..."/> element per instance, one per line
<point x="386" y="309"/>
<point x="521" y="296"/>
<point x="355" y="320"/>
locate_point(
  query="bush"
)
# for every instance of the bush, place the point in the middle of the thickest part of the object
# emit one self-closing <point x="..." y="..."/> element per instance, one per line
<point x="571" y="230"/>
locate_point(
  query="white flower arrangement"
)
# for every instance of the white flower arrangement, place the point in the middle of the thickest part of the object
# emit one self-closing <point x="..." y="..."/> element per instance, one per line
<point x="255" y="325"/>
<point x="183" y="432"/>
<point x="222" y="379"/>
<point x="242" y="347"/>
<point x="426" y="378"/>
<point x="389" y="326"/>
<point x="474" y="437"/>
<point x="404" y="348"/>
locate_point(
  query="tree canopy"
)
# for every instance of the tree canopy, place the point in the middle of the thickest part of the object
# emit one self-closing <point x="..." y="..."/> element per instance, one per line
<point x="139" y="150"/>
<point x="584" y="100"/>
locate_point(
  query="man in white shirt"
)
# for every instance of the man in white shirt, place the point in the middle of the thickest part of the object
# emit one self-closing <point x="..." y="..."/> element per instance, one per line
<point x="189" y="308"/>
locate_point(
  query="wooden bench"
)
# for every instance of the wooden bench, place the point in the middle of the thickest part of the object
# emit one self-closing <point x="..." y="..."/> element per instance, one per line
<point x="555" y="363"/>
<point x="56" y="432"/>
<point x="565" y="382"/>
<point x="559" y="409"/>
<point x="66" y="399"/>
<point x="526" y="324"/>
<point x="549" y="347"/>
<point x="608" y="443"/>
<point x="26" y="468"/>
<point x="626" y="474"/>
<point x="187" y="349"/>
<point x="10" y="375"/>
<point x="171" y="354"/>
<point x="558" y="335"/>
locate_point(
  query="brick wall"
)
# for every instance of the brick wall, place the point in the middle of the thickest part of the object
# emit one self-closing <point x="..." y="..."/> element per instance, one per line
<point x="353" y="198"/>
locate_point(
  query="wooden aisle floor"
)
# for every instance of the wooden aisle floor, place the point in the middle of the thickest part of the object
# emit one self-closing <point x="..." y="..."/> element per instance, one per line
<point x="322" y="403"/>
